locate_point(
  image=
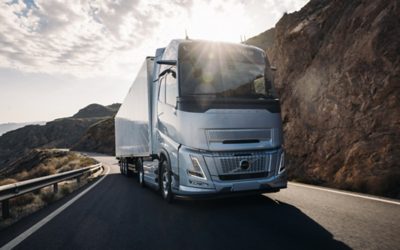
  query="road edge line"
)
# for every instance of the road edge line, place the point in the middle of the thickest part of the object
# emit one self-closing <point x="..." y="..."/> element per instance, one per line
<point x="345" y="193"/>
<point x="17" y="240"/>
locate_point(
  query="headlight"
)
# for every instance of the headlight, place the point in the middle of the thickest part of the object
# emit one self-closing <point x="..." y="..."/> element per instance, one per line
<point x="196" y="170"/>
<point x="282" y="165"/>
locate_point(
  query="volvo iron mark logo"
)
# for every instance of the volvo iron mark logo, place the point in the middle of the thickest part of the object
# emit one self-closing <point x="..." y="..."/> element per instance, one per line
<point x="244" y="164"/>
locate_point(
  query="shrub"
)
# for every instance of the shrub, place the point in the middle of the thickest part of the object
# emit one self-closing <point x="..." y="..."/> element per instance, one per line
<point x="47" y="196"/>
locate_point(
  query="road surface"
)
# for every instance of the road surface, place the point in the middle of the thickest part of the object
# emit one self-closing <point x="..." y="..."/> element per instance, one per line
<point x="117" y="213"/>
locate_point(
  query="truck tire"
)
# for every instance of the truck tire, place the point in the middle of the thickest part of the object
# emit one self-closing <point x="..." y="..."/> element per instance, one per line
<point x="121" y="166"/>
<point x="165" y="181"/>
<point x="140" y="174"/>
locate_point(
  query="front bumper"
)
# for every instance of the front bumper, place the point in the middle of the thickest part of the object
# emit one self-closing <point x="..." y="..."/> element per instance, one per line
<point x="212" y="186"/>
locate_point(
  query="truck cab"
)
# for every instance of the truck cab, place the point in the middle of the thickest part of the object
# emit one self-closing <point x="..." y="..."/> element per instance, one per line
<point x="215" y="122"/>
<point x="218" y="119"/>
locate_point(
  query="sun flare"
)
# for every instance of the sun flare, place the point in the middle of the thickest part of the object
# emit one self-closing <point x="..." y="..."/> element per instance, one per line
<point x="212" y="22"/>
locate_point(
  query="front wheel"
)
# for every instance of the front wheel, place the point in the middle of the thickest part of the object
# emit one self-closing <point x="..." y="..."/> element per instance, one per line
<point x="165" y="181"/>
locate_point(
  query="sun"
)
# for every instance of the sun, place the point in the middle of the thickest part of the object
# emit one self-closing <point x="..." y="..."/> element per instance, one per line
<point x="211" y="21"/>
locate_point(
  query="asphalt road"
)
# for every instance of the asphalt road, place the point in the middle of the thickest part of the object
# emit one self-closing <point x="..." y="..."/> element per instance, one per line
<point x="118" y="214"/>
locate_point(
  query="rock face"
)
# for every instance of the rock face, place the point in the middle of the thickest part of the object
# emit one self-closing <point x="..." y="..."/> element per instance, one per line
<point x="338" y="75"/>
<point x="98" y="138"/>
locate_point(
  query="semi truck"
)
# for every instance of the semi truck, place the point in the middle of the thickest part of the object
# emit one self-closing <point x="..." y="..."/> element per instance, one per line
<point x="203" y="119"/>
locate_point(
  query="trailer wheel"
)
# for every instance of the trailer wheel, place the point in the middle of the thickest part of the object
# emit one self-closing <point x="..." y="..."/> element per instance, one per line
<point x="140" y="172"/>
<point x="165" y="181"/>
<point x="122" y="166"/>
<point x="125" y="167"/>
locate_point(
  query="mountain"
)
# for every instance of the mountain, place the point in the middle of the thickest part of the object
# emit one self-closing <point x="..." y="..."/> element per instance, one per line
<point x="98" y="138"/>
<point x="338" y="75"/>
<point x="60" y="133"/>
<point x="6" y="127"/>
<point x="96" y="110"/>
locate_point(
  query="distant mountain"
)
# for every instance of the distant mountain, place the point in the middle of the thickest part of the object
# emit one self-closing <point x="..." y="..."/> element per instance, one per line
<point x="60" y="133"/>
<point x="6" y="127"/>
<point x="96" y="110"/>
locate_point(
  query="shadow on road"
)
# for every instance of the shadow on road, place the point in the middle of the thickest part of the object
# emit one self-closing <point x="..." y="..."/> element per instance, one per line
<point x="255" y="222"/>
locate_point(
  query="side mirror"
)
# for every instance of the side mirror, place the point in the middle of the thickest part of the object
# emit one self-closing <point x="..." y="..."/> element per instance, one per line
<point x="167" y="62"/>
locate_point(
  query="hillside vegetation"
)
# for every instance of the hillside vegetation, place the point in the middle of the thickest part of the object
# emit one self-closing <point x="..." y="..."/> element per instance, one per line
<point x="42" y="162"/>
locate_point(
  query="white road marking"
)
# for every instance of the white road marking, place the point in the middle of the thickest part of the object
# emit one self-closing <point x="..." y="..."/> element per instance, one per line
<point x="13" y="243"/>
<point x="346" y="193"/>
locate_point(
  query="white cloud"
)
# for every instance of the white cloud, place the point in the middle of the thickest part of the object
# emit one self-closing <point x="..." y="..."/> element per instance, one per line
<point x="90" y="38"/>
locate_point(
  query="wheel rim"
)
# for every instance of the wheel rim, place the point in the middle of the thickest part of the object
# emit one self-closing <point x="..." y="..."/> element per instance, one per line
<point x="165" y="182"/>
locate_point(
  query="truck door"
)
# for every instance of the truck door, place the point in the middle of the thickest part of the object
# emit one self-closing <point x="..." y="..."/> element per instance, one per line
<point x="167" y="116"/>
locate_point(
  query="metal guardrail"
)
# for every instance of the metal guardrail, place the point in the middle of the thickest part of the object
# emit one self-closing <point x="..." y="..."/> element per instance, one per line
<point x="16" y="189"/>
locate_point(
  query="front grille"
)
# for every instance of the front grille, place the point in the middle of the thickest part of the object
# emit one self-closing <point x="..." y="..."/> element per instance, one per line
<point x="230" y="164"/>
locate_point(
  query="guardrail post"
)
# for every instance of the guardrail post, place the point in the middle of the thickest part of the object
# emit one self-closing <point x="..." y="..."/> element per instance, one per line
<point x="78" y="179"/>
<point x="5" y="207"/>
<point x="55" y="187"/>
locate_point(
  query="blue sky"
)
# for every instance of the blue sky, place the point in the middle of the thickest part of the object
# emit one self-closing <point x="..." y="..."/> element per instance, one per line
<point x="59" y="56"/>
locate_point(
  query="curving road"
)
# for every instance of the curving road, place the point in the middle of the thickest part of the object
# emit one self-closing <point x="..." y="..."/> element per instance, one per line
<point x="118" y="214"/>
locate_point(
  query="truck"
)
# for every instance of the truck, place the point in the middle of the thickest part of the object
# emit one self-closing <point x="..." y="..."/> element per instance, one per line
<point x="203" y="119"/>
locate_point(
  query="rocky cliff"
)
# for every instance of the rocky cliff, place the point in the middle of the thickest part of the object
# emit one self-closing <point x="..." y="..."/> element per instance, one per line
<point x="338" y="75"/>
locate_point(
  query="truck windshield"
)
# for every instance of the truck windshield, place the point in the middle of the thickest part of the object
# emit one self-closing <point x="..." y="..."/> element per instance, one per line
<point x="223" y="70"/>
